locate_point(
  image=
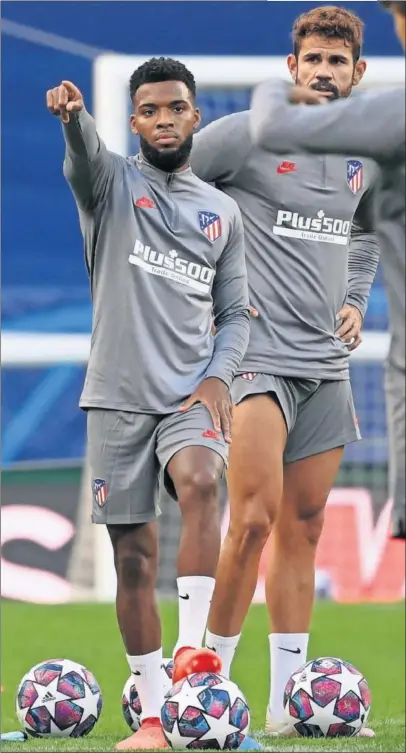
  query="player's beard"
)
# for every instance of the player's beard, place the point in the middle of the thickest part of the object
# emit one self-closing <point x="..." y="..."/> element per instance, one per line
<point x="170" y="159"/>
<point x="326" y="86"/>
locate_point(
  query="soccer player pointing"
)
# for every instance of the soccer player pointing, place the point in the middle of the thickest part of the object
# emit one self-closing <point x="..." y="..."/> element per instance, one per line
<point x="163" y="250"/>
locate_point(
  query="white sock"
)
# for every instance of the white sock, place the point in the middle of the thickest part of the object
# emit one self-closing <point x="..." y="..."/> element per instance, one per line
<point x="195" y="594"/>
<point x="148" y="680"/>
<point x="224" y="647"/>
<point x="288" y="653"/>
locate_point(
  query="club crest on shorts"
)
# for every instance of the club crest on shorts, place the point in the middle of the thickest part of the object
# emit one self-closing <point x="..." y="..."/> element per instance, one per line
<point x="355" y="175"/>
<point x="100" y="491"/>
<point x="210" y="224"/>
<point x="250" y="376"/>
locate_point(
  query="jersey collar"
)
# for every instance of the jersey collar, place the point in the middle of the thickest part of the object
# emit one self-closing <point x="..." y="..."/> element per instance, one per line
<point x="163" y="177"/>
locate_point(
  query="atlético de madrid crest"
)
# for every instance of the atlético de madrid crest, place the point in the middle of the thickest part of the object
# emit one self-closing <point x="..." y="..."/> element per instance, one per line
<point x="210" y="224"/>
<point x="355" y="175"/>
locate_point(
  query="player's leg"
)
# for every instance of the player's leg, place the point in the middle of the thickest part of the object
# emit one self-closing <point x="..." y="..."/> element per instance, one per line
<point x="255" y="479"/>
<point x="194" y="459"/>
<point x="325" y="423"/>
<point x="395" y="407"/>
<point x="125" y="471"/>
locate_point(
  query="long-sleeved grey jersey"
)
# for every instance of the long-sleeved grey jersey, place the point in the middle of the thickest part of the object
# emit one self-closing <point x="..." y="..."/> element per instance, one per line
<point x="163" y="252"/>
<point x="372" y="125"/>
<point x="310" y="245"/>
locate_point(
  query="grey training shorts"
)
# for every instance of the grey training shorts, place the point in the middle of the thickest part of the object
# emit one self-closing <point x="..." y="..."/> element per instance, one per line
<point x="127" y="452"/>
<point x="319" y="414"/>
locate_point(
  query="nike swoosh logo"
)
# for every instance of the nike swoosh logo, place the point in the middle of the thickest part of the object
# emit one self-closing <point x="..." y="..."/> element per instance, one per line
<point x="184" y="597"/>
<point x="283" y="170"/>
<point x="291" y="650"/>
<point x="211" y="649"/>
<point x="136" y="672"/>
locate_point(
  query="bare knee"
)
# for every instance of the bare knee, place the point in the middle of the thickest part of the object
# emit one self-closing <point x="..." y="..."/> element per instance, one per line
<point x="197" y="491"/>
<point x="313" y="526"/>
<point x="251" y="523"/>
<point x="135" y="555"/>
<point x="301" y="523"/>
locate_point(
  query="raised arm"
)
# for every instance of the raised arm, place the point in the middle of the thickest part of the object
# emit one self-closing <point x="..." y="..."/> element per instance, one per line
<point x="371" y="124"/>
<point x="220" y="148"/>
<point x="88" y="165"/>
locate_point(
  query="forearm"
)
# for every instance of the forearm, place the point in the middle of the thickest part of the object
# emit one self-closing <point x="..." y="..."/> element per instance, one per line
<point x="371" y="124"/>
<point x="230" y="344"/>
<point x="82" y="141"/>
<point x="362" y="266"/>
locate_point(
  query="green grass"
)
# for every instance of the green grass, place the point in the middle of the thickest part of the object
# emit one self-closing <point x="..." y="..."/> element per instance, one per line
<point x="370" y="636"/>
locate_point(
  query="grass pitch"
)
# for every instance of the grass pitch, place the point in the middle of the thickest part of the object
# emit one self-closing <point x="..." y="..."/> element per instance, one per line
<point x="370" y="636"/>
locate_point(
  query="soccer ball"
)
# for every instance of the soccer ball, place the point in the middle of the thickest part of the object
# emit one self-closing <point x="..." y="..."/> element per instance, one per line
<point x="130" y="702"/>
<point x="327" y="697"/>
<point x="205" y="711"/>
<point x="58" y="698"/>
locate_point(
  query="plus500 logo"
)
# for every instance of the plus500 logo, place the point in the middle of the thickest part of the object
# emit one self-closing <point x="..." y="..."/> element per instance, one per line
<point x="172" y="266"/>
<point x="320" y="228"/>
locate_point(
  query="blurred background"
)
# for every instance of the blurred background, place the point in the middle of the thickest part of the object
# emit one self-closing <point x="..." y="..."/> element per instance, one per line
<point x="51" y="553"/>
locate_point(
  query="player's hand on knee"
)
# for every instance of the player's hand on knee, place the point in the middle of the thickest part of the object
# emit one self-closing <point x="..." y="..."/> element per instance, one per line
<point x="64" y="99"/>
<point x="349" y="330"/>
<point x="214" y="394"/>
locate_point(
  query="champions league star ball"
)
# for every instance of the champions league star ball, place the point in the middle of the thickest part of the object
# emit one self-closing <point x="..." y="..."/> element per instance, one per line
<point x="58" y="698"/>
<point x="327" y="697"/>
<point x="130" y="702"/>
<point x="205" y="711"/>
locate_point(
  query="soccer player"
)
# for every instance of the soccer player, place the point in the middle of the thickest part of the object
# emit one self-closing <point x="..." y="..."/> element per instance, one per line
<point x="311" y="256"/>
<point x="162" y="250"/>
<point x="371" y="125"/>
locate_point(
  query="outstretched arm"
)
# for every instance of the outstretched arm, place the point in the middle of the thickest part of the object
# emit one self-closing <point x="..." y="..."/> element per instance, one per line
<point x="88" y="165"/>
<point x="371" y="124"/>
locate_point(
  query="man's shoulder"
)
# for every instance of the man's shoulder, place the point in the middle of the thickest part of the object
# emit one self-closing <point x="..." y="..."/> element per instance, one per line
<point x="237" y="123"/>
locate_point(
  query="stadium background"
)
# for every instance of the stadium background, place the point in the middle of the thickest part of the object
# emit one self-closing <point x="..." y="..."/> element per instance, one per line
<point x="47" y="541"/>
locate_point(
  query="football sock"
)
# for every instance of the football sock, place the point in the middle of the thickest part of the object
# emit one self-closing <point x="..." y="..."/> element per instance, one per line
<point x="194" y="597"/>
<point x="288" y="653"/>
<point x="224" y="647"/>
<point x="148" y="680"/>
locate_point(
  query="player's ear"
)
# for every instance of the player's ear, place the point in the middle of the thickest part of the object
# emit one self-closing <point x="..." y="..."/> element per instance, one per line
<point x="132" y="125"/>
<point x="292" y="65"/>
<point x="359" y="70"/>
<point x="197" y="120"/>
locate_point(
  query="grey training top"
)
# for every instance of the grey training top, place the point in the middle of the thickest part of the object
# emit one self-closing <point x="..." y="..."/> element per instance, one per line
<point x="310" y="245"/>
<point x="373" y="126"/>
<point x="163" y="252"/>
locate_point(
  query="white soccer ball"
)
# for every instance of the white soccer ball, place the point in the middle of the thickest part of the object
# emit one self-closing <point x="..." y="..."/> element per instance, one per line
<point x="130" y="702"/>
<point x="205" y="711"/>
<point x="58" y="698"/>
<point x="327" y="697"/>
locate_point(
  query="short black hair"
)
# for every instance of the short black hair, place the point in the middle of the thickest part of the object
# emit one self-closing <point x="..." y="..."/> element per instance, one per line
<point x="389" y="4"/>
<point x="156" y="70"/>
